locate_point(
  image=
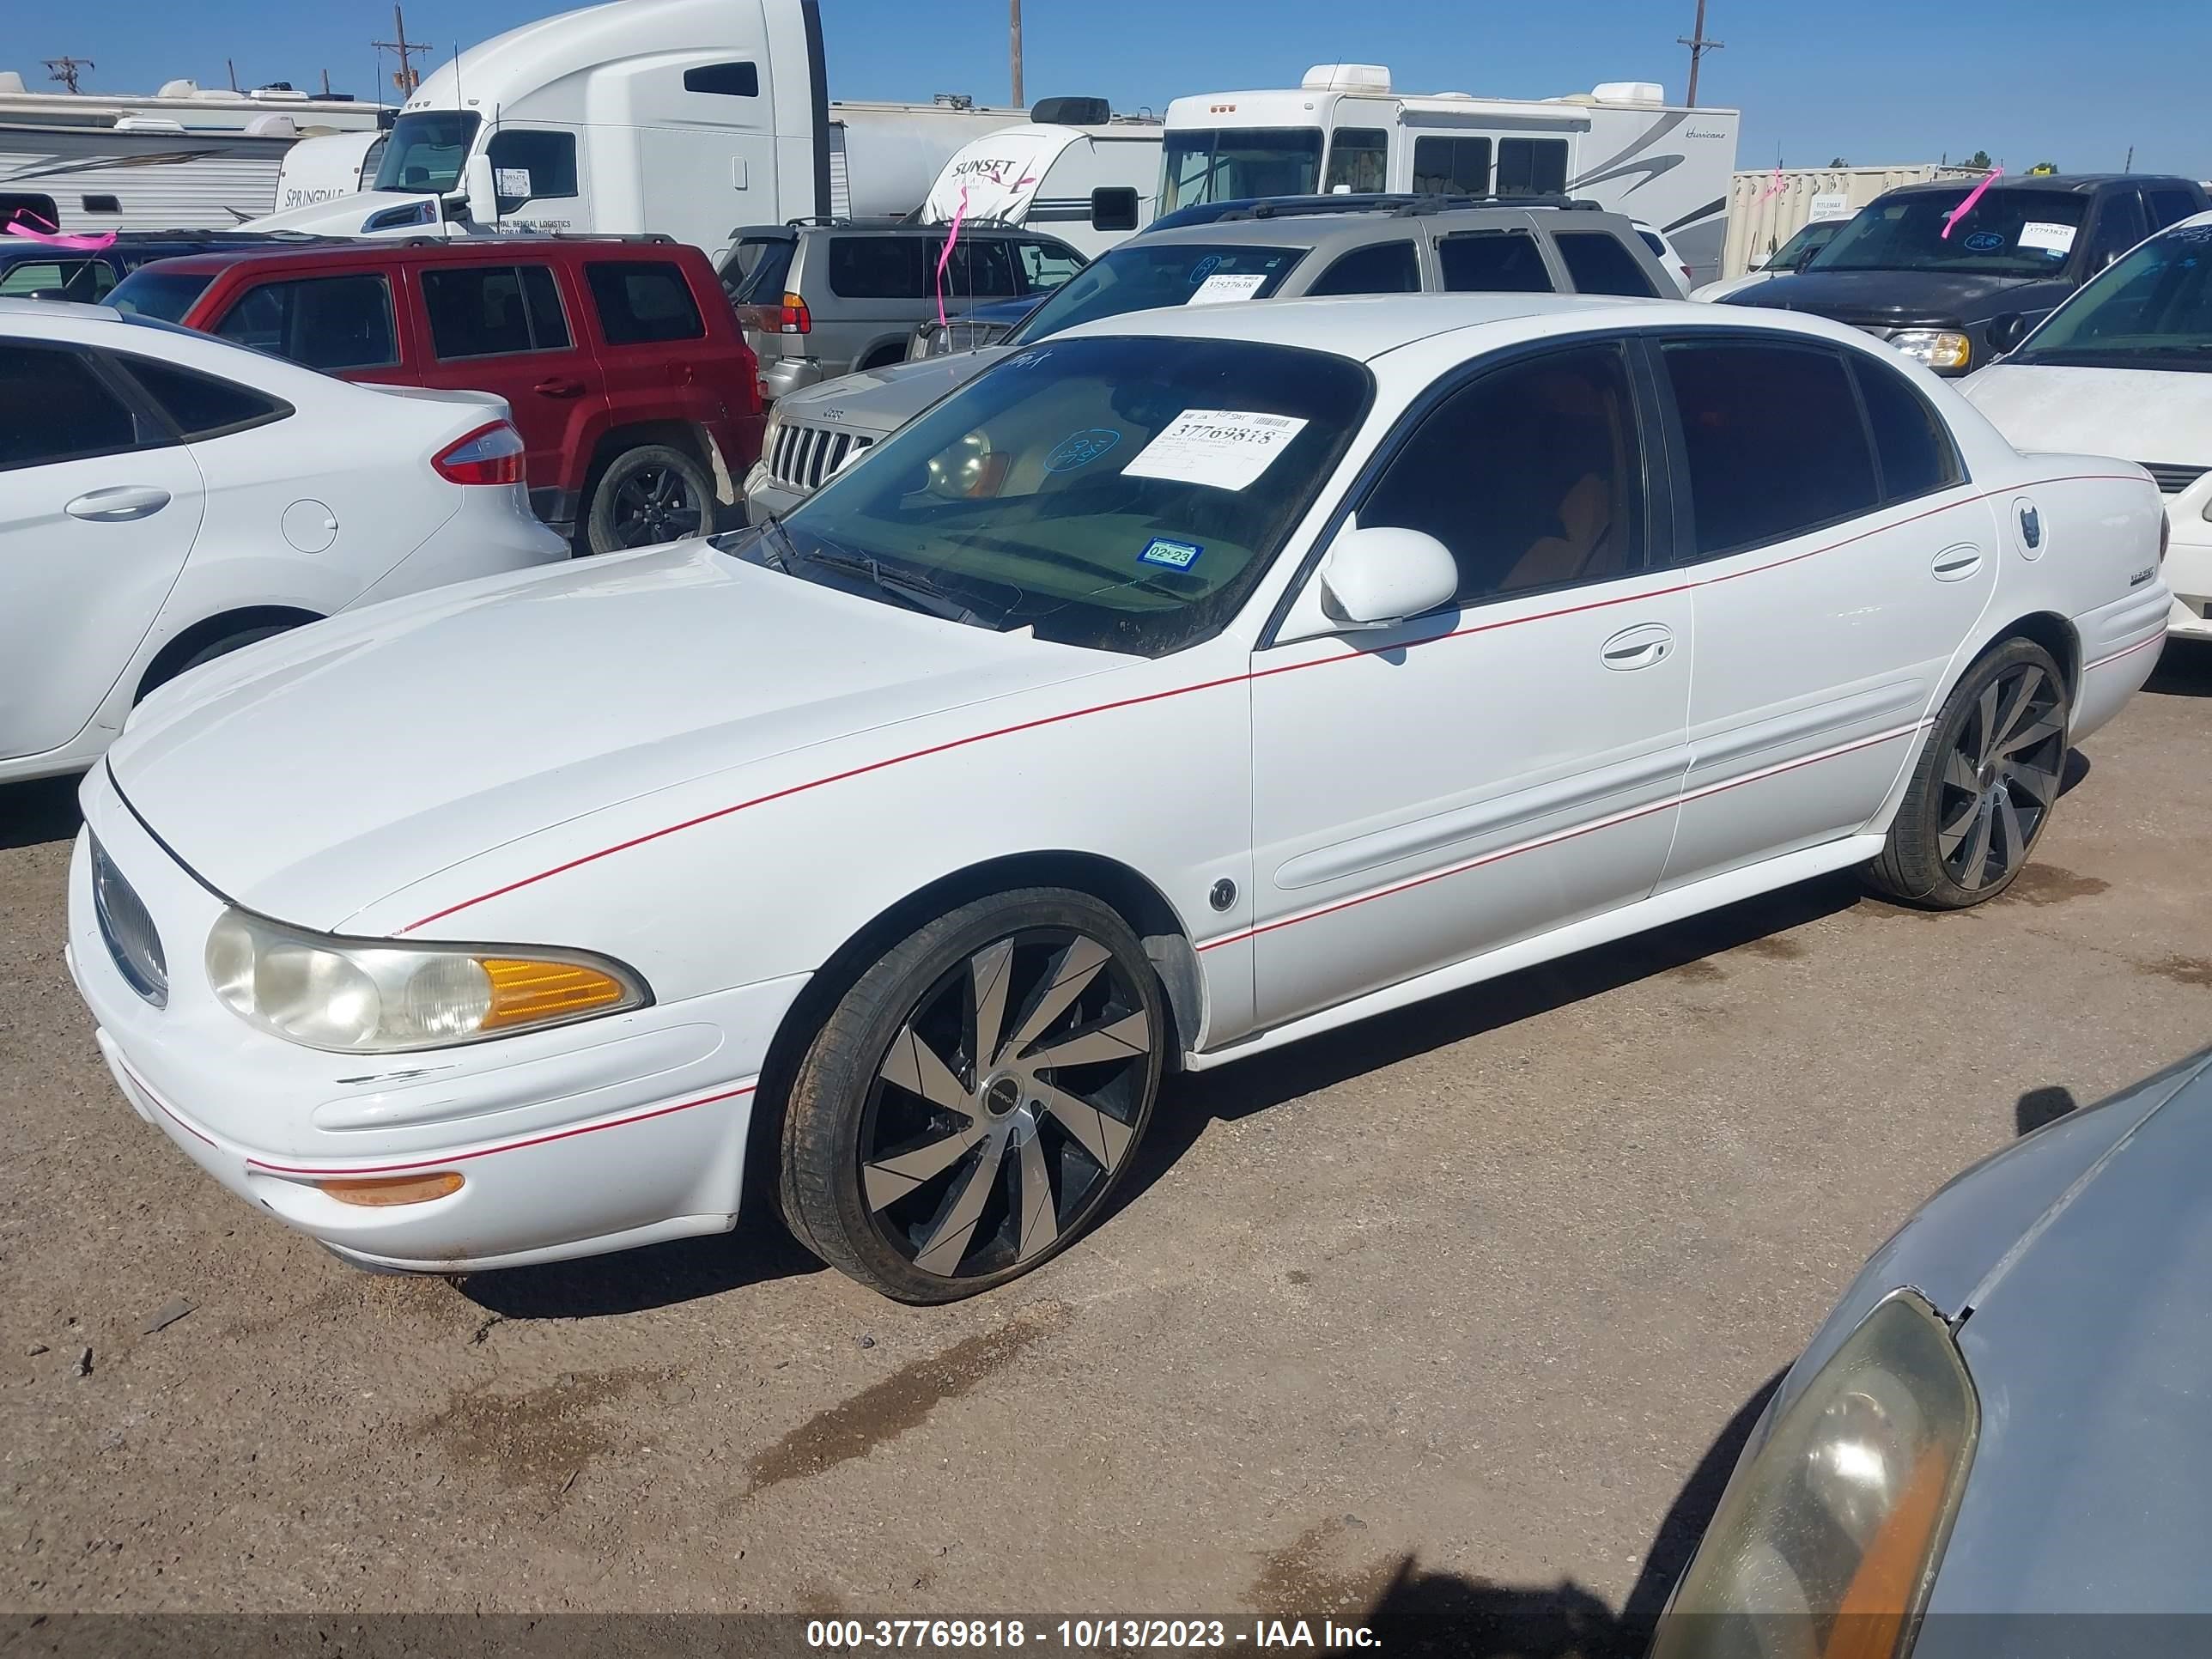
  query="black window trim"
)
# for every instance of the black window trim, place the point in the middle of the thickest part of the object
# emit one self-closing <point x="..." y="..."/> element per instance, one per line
<point x="142" y="395"/>
<point x="699" y="313"/>
<point x="1405" y="238"/>
<point x="1555" y="267"/>
<point x="396" y="286"/>
<point x="1640" y="258"/>
<point x="1663" y="514"/>
<point x="150" y="430"/>
<point x="529" y="311"/>
<point x="1863" y="364"/>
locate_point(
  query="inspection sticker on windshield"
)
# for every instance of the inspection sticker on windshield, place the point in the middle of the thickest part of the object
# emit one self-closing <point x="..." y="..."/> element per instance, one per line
<point x="1225" y="285"/>
<point x="1227" y="448"/>
<point x="1176" y="556"/>
<point x="2052" y="238"/>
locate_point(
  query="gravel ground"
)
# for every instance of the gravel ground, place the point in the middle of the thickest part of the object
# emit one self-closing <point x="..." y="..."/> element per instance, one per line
<point x="1455" y="1309"/>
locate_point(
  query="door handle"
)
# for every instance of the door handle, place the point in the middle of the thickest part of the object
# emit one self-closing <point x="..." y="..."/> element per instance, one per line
<point x="1956" y="563"/>
<point x="1640" y="646"/>
<point x="117" y="504"/>
<point x="559" y="388"/>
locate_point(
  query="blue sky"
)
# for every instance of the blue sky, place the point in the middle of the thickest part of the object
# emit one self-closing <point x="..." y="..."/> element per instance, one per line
<point x="2027" y="80"/>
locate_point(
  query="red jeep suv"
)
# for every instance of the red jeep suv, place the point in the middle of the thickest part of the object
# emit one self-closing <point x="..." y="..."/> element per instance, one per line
<point x="634" y="392"/>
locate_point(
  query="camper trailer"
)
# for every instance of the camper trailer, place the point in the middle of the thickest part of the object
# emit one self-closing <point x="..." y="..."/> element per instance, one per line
<point x="1075" y="170"/>
<point x="684" y="118"/>
<point x="1347" y="128"/>
<point x="323" y="169"/>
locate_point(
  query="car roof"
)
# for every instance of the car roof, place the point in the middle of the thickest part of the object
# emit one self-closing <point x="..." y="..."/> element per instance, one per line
<point x="428" y="250"/>
<point x="2075" y="182"/>
<point x="1295" y="229"/>
<point x="65" y="311"/>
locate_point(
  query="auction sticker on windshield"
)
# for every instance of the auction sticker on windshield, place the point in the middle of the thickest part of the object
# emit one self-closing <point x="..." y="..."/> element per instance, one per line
<point x="1225" y="285"/>
<point x="1226" y="448"/>
<point x="2052" y="238"/>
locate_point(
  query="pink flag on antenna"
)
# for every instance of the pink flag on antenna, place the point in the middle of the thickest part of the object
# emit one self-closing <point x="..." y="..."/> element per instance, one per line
<point x="1967" y="206"/>
<point x="21" y="223"/>
<point x="945" y="259"/>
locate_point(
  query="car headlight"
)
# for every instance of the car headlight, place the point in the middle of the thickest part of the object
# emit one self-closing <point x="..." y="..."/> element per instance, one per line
<point x="376" y="996"/>
<point x="1826" y="1540"/>
<point x="1938" y="347"/>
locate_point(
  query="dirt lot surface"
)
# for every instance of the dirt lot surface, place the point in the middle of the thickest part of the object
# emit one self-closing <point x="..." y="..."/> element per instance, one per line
<point x="1464" y="1297"/>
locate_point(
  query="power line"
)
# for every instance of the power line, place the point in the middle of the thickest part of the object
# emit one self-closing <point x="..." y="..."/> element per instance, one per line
<point x="1698" y="46"/>
<point x="65" y="70"/>
<point x="407" y="77"/>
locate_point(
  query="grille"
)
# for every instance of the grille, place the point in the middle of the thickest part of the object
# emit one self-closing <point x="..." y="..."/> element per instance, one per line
<point x="129" y="931"/>
<point x="805" y="455"/>
<point x="2172" y="479"/>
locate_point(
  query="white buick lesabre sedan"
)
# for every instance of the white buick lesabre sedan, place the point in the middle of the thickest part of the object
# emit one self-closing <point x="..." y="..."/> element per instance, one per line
<point x="1193" y="682"/>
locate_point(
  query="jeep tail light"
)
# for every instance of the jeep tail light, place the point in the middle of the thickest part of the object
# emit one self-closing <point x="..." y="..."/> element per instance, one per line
<point x="789" y="318"/>
<point x="490" y="455"/>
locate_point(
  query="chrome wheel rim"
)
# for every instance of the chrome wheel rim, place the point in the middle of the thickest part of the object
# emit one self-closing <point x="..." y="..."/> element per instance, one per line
<point x="1002" y="1107"/>
<point x="2001" y="778"/>
<point x="654" y="504"/>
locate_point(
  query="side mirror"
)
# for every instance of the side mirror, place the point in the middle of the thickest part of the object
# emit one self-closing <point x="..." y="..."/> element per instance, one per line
<point x="2008" y="331"/>
<point x="1373" y="578"/>
<point x="478" y="187"/>
<point x="1113" y="208"/>
<point x="1805" y="259"/>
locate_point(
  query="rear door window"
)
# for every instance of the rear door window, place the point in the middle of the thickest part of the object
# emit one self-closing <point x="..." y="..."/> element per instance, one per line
<point x="643" y="302"/>
<point x="982" y="270"/>
<point x="1914" y="447"/>
<point x="324" y="322"/>
<point x="486" y="310"/>
<point x="1494" y="262"/>
<point x="1379" y="267"/>
<point x="203" y="406"/>
<point x="78" y="414"/>
<point x="1601" y="263"/>
<point x="2120" y="228"/>
<point x="2169" y="205"/>
<point x="879" y="267"/>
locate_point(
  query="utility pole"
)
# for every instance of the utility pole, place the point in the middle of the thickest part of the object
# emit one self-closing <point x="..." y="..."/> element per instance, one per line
<point x="65" y="70"/>
<point x="1698" y="46"/>
<point x="407" y="77"/>
<point x="1014" y="39"/>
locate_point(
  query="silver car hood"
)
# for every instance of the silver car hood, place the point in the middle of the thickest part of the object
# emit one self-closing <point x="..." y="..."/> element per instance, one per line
<point x="884" y="400"/>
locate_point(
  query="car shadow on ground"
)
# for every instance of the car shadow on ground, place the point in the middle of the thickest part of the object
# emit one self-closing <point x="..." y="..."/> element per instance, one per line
<point x="658" y="1276"/>
<point x="2185" y="670"/>
<point x="42" y="810"/>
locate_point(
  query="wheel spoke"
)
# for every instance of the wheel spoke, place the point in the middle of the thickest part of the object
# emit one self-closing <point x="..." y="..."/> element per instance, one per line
<point x="1127" y="1038"/>
<point x="1040" y="1211"/>
<point x="915" y="1066"/>
<point x="1078" y="966"/>
<point x="987" y="986"/>
<point x="1977" y="850"/>
<point x="2027" y="736"/>
<point x="1987" y="705"/>
<point x="1950" y="835"/>
<point x="1101" y="1135"/>
<point x="2025" y="691"/>
<point x="943" y="1250"/>
<point x="890" y="1179"/>
<point x="2015" y="843"/>
<point x="1958" y="773"/>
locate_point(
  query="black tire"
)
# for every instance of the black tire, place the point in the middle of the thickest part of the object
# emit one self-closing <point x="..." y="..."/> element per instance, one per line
<point x="1983" y="788"/>
<point x="929" y="1198"/>
<point x="220" y="647"/>
<point x="647" y="495"/>
<point x="884" y="357"/>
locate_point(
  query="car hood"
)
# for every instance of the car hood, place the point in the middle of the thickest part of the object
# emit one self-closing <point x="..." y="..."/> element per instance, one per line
<point x="345" y="215"/>
<point x="1720" y="290"/>
<point x="1895" y="298"/>
<point x="2144" y="413"/>
<point x="311" y="775"/>
<point x="884" y="399"/>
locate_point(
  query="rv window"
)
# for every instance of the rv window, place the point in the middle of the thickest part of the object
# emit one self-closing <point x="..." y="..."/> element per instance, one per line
<point x="1358" y="160"/>
<point x="201" y="406"/>
<point x="425" y="150"/>
<point x="1206" y="165"/>
<point x="1046" y="266"/>
<point x="102" y="204"/>
<point x="328" y="323"/>
<point x="531" y="165"/>
<point x="78" y="415"/>
<point x="640" y="303"/>
<point x="1532" y="166"/>
<point x="730" y="80"/>
<point x="484" y="311"/>
<point x="1494" y="262"/>
<point x="882" y="267"/>
<point x="1451" y="166"/>
<point x="1600" y="263"/>
<point x="1381" y="268"/>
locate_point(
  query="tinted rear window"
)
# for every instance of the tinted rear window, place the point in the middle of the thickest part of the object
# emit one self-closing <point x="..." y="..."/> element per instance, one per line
<point x="484" y="311"/>
<point x="879" y="267"/>
<point x="1494" y="262"/>
<point x="643" y="302"/>
<point x="326" y="322"/>
<point x="753" y="273"/>
<point x="1601" y="263"/>
<point x="166" y="296"/>
<point x="201" y="405"/>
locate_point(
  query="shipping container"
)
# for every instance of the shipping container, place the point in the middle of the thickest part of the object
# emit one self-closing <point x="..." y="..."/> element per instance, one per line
<point x="1761" y="218"/>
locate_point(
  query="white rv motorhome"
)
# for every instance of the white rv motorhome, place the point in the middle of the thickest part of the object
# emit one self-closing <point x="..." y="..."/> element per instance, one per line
<point x="323" y="169"/>
<point x="184" y="159"/>
<point x="687" y="118"/>
<point x="1089" y="178"/>
<point x="1346" y="129"/>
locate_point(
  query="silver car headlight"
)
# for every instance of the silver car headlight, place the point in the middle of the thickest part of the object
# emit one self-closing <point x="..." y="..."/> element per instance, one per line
<point x="1826" y="1540"/>
<point x="1938" y="347"/>
<point x="769" y="427"/>
<point x="376" y="996"/>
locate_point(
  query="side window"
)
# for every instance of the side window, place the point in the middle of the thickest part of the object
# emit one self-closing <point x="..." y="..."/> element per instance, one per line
<point x="1532" y="166"/>
<point x="880" y="267"/>
<point x="1911" y="445"/>
<point x="1379" y="267"/>
<point x="1774" y="444"/>
<point x="77" y="415"/>
<point x="2169" y="205"/>
<point x="484" y="311"/>
<point x="641" y="301"/>
<point x="1358" y="160"/>
<point x="531" y="166"/>
<point x="2120" y="228"/>
<point x="28" y="278"/>
<point x="1046" y="266"/>
<point x="201" y="406"/>
<point x="1533" y="476"/>
<point x="729" y="80"/>
<point x="983" y="269"/>
<point x="1451" y="166"/>
<point x="1600" y="263"/>
<point x="1494" y="262"/>
<point x="324" y="322"/>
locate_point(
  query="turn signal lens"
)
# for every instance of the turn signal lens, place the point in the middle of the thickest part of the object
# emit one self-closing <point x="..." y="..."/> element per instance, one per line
<point x="533" y="993"/>
<point x="382" y="1192"/>
<point x="490" y="455"/>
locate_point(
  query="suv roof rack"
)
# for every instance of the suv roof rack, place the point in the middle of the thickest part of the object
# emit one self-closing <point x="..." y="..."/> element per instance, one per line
<point x="654" y="236"/>
<point x="1400" y="206"/>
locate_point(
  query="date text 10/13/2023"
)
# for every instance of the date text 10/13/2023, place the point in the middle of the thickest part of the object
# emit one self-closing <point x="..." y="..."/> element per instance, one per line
<point x="1085" y="1635"/>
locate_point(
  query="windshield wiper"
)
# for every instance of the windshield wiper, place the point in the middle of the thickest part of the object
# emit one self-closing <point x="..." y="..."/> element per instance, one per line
<point x="915" y="592"/>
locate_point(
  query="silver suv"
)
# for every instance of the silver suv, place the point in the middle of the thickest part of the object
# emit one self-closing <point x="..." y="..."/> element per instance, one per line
<point x="820" y="298"/>
<point x="1407" y="247"/>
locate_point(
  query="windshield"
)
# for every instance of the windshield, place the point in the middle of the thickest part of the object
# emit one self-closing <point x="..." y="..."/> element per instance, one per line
<point x="1122" y="494"/>
<point x="2009" y="233"/>
<point x="1137" y="277"/>
<point x="1810" y="239"/>
<point x="425" y="151"/>
<point x="163" y="295"/>
<point x="2151" y="309"/>
<point x="1226" y="164"/>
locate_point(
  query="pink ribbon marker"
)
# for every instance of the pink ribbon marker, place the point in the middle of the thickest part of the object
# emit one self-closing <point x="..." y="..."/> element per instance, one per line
<point x="1967" y="206"/>
<point x="1774" y="188"/>
<point x="945" y="257"/>
<point x="53" y="236"/>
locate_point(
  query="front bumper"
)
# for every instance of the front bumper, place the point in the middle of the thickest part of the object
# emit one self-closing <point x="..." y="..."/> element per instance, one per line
<point x="2189" y="572"/>
<point x="764" y="496"/>
<point x="573" y="1141"/>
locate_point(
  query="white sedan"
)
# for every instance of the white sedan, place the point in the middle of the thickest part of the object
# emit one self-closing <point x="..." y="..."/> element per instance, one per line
<point x="166" y="498"/>
<point x="2126" y="364"/>
<point x="1193" y="682"/>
